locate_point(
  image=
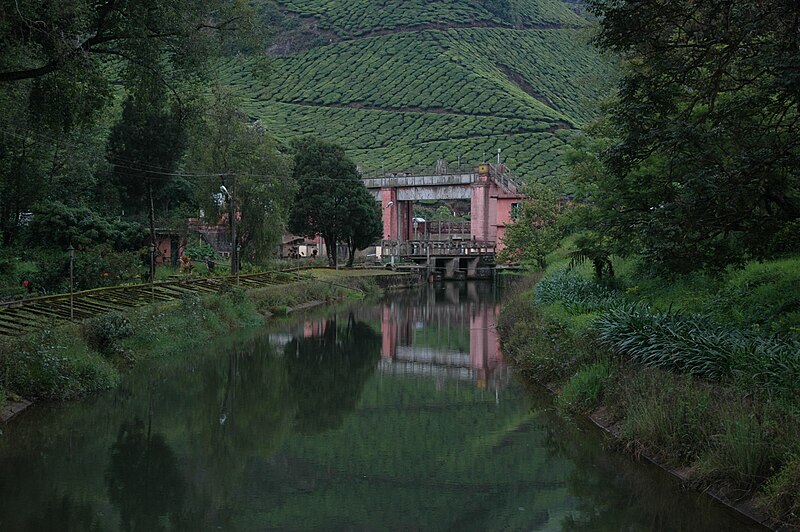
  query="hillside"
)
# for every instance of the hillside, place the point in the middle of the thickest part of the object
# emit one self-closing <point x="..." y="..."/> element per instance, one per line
<point x="402" y="83"/>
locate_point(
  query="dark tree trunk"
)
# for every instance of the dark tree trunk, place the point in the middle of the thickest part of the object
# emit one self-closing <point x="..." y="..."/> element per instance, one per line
<point x="351" y="248"/>
<point x="331" y="248"/>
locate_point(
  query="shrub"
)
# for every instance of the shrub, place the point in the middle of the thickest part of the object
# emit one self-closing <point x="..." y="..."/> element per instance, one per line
<point x="585" y="389"/>
<point x="104" y="333"/>
<point x="576" y="294"/>
<point x="701" y="347"/>
<point x="541" y="346"/>
<point x="54" y="365"/>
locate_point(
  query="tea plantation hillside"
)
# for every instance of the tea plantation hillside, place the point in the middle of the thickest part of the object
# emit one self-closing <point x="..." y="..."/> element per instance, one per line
<point x="403" y="83"/>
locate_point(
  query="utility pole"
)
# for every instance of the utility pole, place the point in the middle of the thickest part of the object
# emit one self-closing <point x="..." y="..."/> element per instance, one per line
<point x="231" y="198"/>
<point x="71" y="251"/>
<point x="234" y="235"/>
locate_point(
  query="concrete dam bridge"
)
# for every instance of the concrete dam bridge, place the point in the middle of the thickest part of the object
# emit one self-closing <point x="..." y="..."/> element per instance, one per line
<point x="493" y="193"/>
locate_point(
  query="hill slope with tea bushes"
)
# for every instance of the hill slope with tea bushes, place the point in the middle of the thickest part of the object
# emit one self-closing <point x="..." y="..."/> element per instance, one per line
<point x="404" y="83"/>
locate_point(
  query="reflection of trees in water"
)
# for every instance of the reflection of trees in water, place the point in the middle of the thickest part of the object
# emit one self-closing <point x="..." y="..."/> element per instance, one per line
<point x="248" y="412"/>
<point x="65" y="514"/>
<point x="143" y="480"/>
<point x="327" y="373"/>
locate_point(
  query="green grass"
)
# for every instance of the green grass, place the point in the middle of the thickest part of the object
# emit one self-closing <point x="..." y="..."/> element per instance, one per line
<point x="456" y="91"/>
<point x="762" y="296"/>
<point x="664" y="416"/>
<point x="781" y="494"/>
<point x="584" y="390"/>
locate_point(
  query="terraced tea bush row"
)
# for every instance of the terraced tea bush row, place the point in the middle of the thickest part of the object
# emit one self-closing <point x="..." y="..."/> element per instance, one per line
<point x="399" y="71"/>
<point x="457" y="70"/>
<point x="533" y="156"/>
<point x="359" y="17"/>
<point x="554" y="65"/>
<point x="370" y="129"/>
<point x="397" y="100"/>
<point x="382" y="139"/>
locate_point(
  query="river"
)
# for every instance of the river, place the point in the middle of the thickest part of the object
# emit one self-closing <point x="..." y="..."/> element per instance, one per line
<point x="398" y="414"/>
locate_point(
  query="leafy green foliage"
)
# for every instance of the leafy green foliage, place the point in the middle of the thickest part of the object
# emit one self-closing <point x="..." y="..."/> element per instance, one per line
<point x="145" y="146"/>
<point x="248" y="162"/>
<point x="57" y="225"/>
<point x="781" y="494"/>
<point x="332" y="201"/>
<point x="536" y="231"/>
<point x="699" y="168"/>
<point x="104" y="333"/>
<point x="697" y="345"/>
<point x="366" y="224"/>
<point x="50" y="365"/>
<point x="585" y="389"/>
<point x="688" y="343"/>
<point x="576" y="294"/>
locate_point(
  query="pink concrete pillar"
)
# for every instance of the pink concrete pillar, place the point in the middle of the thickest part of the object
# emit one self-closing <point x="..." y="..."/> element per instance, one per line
<point x="389" y="196"/>
<point x="491" y="234"/>
<point x="388" y="334"/>
<point x="479" y="209"/>
<point x="405" y="219"/>
<point x="478" y="345"/>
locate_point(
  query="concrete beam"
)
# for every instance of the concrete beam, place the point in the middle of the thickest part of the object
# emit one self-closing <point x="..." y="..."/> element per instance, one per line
<point x="434" y="193"/>
<point x="420" y="181"/>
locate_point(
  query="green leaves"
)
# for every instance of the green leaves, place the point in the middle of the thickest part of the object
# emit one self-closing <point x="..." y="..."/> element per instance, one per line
<point x="332" y="201"/>
<point x="701" y="164"/>
<point x="536" y="230"/>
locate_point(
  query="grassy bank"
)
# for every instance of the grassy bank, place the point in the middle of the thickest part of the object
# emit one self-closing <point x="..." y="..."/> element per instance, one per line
<point x="701" y="374"/>
<point x="64" y="362"/>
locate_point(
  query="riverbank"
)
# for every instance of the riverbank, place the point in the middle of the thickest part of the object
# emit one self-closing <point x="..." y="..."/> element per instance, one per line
<point x="680" y="372"/>
<point x="67" y="361"/>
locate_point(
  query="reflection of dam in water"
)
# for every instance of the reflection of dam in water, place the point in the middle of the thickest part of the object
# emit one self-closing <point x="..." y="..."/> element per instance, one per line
<point x="446" y="331"/>
<point x="450" y="334"/>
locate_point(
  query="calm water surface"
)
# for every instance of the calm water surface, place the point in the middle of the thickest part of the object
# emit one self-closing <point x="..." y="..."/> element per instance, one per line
<point x="396" y="415"/>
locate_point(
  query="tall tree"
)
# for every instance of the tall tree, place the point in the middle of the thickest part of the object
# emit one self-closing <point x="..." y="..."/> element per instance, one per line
<point x="366" y="225"/>
<point x="60" y="63"/>
<point x="239" y="154"/>
<point x="73" y="37"/>
<point x="145" y="147"/>
<point x="329" y="197"/>
<point x="701" y="163"/>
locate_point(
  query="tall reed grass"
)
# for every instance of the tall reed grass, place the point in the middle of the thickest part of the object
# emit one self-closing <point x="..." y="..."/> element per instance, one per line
<point x="688" y="343"/>
<point x="699" y="346"/>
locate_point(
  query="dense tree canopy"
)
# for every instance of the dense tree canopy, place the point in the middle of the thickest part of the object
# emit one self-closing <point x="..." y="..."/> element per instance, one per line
<point x="697" y="166"/>
<point x="243" y="155"/>
<point x="331" y="200"/>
